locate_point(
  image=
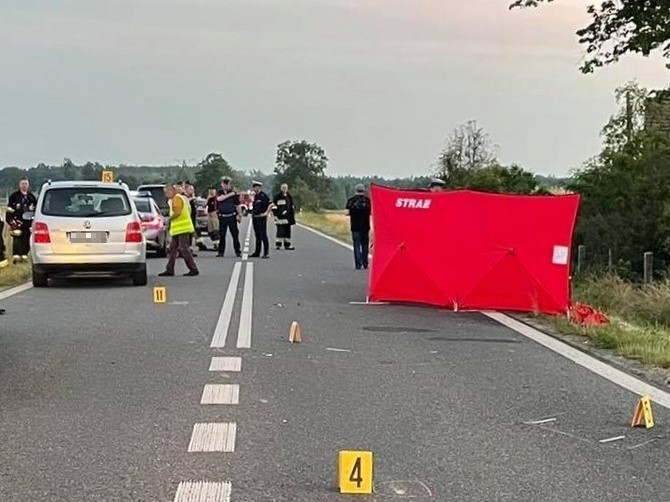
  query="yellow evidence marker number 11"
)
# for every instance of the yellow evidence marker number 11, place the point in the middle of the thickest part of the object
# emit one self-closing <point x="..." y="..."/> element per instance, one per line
<point x="160" y="296"/>
<point x="355" y="472"/>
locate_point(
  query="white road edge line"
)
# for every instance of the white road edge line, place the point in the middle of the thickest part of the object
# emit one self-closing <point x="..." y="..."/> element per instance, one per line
<point x="226" y="364"/>
<point x="222" y="325"/>
<point x="213" y="437"/>
<point x="612" y="374"/>
<point x="331" y="239"/>
<point x="606" y="371"/>
<point x="203" y="491"/>
<point x="15" y="290"/>
<point x="246" y="315"/>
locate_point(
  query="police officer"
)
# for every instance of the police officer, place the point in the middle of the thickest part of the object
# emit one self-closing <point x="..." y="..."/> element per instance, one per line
<point x="284" y="217"/>
<point x="259" y="213"/>
<point x="437" y="185"/>
<point x="19" y="202"/>
<point x="230" y="214"/>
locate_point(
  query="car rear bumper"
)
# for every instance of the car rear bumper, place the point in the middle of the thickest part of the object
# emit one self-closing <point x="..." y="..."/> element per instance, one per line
<point x="88" y="268"/>
<point x="81" y="263"/>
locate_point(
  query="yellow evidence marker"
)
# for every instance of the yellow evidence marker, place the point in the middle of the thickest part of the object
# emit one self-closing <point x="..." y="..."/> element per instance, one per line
<point x="295" y="333"/>
<point x="160" y="295"/>
<point x="355" y="472"/>
<point x="643" y="413"/>
<point x="108" y="176"/>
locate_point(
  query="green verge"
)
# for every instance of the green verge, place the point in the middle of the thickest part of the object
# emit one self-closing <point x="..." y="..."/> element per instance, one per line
<point x="13" y="275"/>
<point x="639" y="315"/>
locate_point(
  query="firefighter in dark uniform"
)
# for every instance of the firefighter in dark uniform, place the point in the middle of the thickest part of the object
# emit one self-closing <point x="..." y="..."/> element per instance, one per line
<point x="230" y="214"/>
<point x="284" y="214"/>
<point x="19" y="202"/>
<point x="259" y="215"/>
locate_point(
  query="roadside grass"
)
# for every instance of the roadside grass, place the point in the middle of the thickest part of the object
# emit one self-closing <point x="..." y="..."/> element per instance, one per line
<point x="639" y="315"/>
<point x="13" y="275"/>
<point x="335" y="224"/>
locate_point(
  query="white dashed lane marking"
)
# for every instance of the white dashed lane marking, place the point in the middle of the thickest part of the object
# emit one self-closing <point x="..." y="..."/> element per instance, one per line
<point x="226" y="364"/>
<point x="221" y="330"/>
<point x="220" y="394"/>
<point x="244" y="331"/>
<point x="216" y="437"/>
<point x="202" y="491"/>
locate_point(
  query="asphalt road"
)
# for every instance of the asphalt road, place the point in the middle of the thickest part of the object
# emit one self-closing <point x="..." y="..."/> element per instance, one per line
<point x="101" y="390"/>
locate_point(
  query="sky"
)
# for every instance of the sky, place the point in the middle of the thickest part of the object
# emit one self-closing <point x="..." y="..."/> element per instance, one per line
<point x="379" y="84"/>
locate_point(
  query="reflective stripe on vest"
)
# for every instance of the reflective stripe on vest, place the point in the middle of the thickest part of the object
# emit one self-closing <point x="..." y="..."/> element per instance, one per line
<point x="182" y="224"/>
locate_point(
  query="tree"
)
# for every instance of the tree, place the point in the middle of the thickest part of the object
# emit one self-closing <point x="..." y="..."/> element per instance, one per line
<point x="628" y="122"/>
<point x="468" y="148"/>
<point x="303" y="162"/>
<point x="210" y="171"/>
<point x="69" y="170"/>
<point x="619" y="27"/>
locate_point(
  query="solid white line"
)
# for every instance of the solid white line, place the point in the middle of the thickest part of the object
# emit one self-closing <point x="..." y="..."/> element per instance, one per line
<point x="221" y="394"/>
<point x="604" y="370"/>
<point x="202" y="491"/>
<point x="609" y="440"/>
<point x="15" y="290"/>
<point x="226" y="364"/>
<point x="246" y="316"/>
<point x="331" y="239"/>
<point x="221" y="330"/>
<point x="213" y="437"/>
<point x="338" y="350"/>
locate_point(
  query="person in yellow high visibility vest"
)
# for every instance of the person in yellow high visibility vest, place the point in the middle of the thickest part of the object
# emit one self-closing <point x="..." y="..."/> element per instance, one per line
<point x="181" y="228"/>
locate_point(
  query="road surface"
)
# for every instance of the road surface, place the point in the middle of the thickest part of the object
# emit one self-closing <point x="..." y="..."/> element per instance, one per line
<point x="101" y="395"/>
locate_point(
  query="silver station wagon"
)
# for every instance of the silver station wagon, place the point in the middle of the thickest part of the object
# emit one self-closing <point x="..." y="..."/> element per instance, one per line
<point x="87" y="228"/>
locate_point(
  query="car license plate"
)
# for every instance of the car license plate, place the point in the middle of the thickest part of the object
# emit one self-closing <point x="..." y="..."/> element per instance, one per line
<point x="88" y="237"/>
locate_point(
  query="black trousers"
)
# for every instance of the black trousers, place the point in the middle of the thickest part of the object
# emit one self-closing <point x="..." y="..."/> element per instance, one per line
<point x="261" y="234"/>
<point x="21" y="245"/>
<point x="229" y="223"/>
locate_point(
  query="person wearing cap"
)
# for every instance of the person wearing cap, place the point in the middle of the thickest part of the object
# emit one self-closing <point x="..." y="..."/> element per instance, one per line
<point x="284" y="214"/>
<point x="436" y="185"/>
<point x="359" y="209"/>
<point x="230" y="214"/>
<point x="259" y="213"/>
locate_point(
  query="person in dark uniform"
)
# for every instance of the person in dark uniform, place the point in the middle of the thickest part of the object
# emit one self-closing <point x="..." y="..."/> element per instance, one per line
<point x="259" y="214"/>
<point x="230" y="214"/>
<point x="359" y="209"/>
<point x="189" y="192"/>
<point x="213" y="217"/>
<point x="284" y="214"/>
<point x="19" y="202"/>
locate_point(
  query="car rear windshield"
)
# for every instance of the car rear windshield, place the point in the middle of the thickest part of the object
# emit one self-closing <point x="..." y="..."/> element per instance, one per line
<point x="86" y="202"/>
<point x="142" y="205"/>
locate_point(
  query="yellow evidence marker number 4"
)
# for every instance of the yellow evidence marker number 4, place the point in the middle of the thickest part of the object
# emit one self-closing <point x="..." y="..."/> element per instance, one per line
<point x="355" y="472"/>
<point x="160" y="296"/>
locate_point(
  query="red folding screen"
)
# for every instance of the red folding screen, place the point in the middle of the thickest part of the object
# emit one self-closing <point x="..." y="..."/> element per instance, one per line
<point x="472" y="250"/>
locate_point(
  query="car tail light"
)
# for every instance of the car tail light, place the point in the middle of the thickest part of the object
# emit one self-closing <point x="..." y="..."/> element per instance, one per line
<point x="134" y="232"/>
<point x="41" y="233"/>
<point x="151" y="222"/>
